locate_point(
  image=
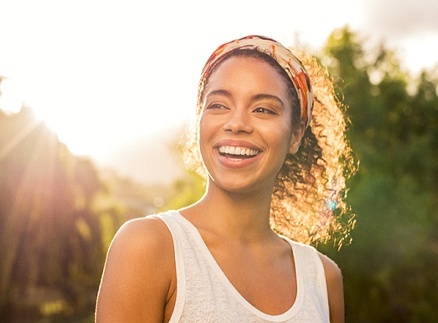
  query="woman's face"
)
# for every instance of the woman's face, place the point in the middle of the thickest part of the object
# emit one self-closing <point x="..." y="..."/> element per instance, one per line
<point x="245" y="129"/>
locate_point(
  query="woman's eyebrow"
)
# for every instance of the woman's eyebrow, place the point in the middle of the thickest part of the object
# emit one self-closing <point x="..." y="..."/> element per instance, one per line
<point x="263" y="96"/>
<point x="219" y="92"/>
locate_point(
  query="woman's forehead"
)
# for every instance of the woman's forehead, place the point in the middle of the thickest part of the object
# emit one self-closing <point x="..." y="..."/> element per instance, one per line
<point x="246" y="72"/>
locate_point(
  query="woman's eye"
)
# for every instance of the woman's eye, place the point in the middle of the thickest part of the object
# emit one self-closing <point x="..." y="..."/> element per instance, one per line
<point x="216" y="106"/>
<point x="264" y="111"/>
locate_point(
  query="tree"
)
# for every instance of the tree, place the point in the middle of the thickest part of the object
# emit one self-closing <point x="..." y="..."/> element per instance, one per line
<point x="389" y="267"/>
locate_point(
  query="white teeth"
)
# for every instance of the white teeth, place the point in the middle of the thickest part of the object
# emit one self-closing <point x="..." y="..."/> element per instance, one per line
<point x="239" y="151"/>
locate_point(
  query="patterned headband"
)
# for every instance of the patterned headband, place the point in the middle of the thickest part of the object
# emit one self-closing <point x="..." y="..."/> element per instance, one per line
<point x="284" y="57"/>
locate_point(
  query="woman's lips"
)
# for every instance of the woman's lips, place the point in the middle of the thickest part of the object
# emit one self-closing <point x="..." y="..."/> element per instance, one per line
<point x="237" y="154"/>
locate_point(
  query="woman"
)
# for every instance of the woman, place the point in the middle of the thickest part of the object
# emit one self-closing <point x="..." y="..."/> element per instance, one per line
<point x="272" y="170"/>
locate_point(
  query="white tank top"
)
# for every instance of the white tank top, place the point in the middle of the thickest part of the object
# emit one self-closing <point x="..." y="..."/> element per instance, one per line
<point x="204" y="293"/>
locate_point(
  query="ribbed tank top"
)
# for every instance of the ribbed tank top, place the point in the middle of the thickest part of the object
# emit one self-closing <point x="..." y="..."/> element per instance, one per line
<point x="204" y="293"/>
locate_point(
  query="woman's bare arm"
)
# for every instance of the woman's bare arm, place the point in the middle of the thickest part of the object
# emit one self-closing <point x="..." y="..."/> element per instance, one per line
<point x="335" y="289"/>
<point x="138" y="275"/>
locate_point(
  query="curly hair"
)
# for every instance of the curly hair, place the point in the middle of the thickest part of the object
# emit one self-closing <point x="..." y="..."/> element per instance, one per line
<point x="308" y="200"/>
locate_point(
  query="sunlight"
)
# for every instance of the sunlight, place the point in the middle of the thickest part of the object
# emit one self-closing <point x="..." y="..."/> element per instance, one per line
<point x="100" y="117"/>
<point x="10" y="96"/>
<point x="65" y="125"/>
<point x="92" y="113"/>
<point x="417" y="58"/>
<point x="11" y="144"/>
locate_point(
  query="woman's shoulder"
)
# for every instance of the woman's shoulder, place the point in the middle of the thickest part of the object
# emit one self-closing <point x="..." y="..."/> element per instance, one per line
<point x="143" y="233"/>
<point x="335" y="290"/>
<point x="332" y="271"/>
<point x="141" y="244"/>
<point x="139" y="272"/>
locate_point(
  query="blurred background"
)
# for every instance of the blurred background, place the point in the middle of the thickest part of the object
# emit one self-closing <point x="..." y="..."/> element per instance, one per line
<point x="96" y="96"/>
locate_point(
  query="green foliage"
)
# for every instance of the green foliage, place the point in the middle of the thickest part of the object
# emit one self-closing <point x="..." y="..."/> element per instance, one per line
<point x="390" y="267"/>
<point x="185" y="191"/>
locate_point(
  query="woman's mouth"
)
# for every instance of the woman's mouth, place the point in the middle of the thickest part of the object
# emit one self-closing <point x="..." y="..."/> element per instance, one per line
<point x="234" y="152"/>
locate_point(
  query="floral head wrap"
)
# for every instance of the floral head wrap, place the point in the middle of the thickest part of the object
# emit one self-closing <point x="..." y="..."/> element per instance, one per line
<point x="284" y="57"/>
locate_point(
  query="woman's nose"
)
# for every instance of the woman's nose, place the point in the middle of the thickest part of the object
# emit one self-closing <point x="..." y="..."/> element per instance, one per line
<point x="238" y="122"/>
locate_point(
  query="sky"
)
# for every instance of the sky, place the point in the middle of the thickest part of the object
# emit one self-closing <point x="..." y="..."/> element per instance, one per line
<point x="101" y="73"/>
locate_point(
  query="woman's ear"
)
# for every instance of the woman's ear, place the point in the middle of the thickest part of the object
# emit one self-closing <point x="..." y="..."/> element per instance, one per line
<point x="295" y="139"/>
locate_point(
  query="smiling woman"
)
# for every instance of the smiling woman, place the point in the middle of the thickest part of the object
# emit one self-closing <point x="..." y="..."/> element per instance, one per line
<point x="240" y="102"/>
<point x="272" y="159"/>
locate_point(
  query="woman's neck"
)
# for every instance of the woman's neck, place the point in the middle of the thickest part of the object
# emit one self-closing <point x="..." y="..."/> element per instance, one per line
<point x="241" y="216"/>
